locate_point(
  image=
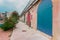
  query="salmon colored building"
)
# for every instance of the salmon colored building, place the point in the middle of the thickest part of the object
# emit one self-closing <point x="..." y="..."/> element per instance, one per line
<point x="56" y="19"/>
<point x="30" y="17"/>
<point x="55" y="16"/>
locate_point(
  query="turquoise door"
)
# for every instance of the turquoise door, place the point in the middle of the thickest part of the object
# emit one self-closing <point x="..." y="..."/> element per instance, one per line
<point x="44" y="17"/>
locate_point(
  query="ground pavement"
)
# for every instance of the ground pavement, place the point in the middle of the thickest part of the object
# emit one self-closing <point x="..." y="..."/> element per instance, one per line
<point x="23" y="32"/>
<point x="4" y="35"/>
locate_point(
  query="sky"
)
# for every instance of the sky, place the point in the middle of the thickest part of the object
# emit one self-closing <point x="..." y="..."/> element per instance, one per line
<point x="12" y="5"/>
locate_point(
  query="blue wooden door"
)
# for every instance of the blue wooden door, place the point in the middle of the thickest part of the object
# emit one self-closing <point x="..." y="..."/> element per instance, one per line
<point x="44" y="17"/>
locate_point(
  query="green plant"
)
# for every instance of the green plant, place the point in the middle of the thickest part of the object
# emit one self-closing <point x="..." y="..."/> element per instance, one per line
<point x="14" y="17"/>
<point x="10" y="23"/>
<point x="7" y="25"/>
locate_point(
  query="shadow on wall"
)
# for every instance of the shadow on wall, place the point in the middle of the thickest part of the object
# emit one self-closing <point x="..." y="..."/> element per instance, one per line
<point x="44" y="17"/>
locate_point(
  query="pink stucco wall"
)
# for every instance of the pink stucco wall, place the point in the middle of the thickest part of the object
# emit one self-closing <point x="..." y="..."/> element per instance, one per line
<point x="56" y="20"/>
<point x="33" y="12"/>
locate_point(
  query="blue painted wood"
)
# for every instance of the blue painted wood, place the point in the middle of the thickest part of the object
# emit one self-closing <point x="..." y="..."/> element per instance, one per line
<point x="44" y="17"/>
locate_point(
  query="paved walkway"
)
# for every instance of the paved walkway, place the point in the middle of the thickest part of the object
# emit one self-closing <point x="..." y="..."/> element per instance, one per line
<point x="4" y="35"/>
<point x="23" y="32"/>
